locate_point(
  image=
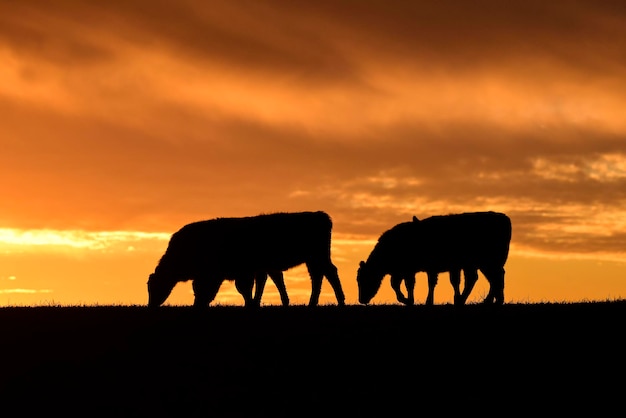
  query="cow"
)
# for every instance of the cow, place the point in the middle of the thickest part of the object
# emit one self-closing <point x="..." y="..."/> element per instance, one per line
<point x="452" y="243"/>
<point x="210" y="251"/>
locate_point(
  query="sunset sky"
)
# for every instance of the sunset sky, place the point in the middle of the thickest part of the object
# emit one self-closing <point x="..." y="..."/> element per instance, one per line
<point x="121" y="121"/>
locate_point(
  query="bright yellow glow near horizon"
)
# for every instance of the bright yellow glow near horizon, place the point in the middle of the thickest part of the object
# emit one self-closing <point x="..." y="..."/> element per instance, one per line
<point x="47" y="267"/>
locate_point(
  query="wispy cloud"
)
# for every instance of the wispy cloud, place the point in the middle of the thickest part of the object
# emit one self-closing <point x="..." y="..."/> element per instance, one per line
<point x="29" y="240"/>
<point x="25" y="291"/>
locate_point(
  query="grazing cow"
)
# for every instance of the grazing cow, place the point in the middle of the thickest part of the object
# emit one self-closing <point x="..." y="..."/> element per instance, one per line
<point x="208" y="252"/>
<point x="467" y="241"/>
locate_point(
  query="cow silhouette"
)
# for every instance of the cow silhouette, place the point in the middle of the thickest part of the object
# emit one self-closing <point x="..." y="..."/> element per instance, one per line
<point x="465" y="242"/>
<point x="211" y="251"/>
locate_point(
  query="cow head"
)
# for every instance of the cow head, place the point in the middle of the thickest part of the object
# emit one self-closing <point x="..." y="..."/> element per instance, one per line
<point x="368" y="280"/>
<point x="159" y="288"/>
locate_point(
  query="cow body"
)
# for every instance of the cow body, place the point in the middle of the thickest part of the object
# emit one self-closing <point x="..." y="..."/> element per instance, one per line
<point x="208" y="252"/>
<point x="465" y="242"/>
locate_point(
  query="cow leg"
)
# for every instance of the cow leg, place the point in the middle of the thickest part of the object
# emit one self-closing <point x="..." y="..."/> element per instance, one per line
<point x="317" y="276"/>
<point x="259" y="279"/>
<point x="316" y="289"/>
<point x="396" y="282"/>
<point x="495" y="277"/>
<point x="471" y="277"/>
<point x="205" y="290"/>
<point x="244" y="284"/>
<point x="455" y="280"/>
<point x="333" y="278"/>
<point x="433" y="276"/>
<point x="279" y="280"/>
<point x="409" y="282"/>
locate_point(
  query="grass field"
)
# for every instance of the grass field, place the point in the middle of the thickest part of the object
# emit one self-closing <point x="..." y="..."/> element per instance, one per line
<point x="382" y="360"/>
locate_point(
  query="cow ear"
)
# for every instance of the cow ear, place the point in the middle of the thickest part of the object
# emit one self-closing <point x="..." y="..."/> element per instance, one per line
<point x="415" y="219"/>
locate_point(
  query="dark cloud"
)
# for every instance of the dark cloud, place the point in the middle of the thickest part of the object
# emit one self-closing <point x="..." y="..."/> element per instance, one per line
<point x="246" y="37"/>
<point x="327" y="40"/>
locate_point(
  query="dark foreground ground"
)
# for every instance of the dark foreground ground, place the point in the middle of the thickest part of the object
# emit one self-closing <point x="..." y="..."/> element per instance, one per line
<point x="540" y="359"/>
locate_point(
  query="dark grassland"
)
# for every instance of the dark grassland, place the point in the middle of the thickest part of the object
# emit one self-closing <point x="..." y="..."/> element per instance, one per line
<point x="545" y="359"/>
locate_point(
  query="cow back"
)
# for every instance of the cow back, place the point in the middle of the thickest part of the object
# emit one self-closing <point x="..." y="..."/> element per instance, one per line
<point x="265" y="242"/>
<point x="467" y="240"/>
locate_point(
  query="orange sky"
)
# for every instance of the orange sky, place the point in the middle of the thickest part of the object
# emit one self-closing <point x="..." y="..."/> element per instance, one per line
<point x="121" y="121"/>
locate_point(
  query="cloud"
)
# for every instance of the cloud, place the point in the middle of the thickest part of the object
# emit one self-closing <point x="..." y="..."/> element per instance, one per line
<point x="24" y="291"/>
<point x="138" y="115"/>
<point x="12" y="240"/>
<point x="308" y="37"/>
